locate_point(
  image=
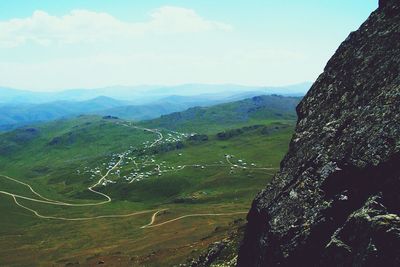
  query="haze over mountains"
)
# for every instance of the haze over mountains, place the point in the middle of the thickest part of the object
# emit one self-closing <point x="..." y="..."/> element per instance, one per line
<point x="146" y="93"/>
<point x="18" y="107"/>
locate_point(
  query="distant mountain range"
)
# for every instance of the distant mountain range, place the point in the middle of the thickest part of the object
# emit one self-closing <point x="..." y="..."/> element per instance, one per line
<point x="273" y="110"/>
<point x="146" y="94"/>
<point x="19" y="108"/>
<point x="19" y="114"/>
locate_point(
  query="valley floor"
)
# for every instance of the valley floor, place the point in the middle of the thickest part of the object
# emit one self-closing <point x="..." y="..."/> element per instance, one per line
<point x="145" y="206"/>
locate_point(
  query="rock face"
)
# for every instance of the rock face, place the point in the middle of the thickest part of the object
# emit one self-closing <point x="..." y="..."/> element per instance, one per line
<point x="336" y="199"/>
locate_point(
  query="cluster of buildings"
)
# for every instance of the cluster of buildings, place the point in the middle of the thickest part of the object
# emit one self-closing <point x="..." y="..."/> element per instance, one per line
<point x="131" y="166"/>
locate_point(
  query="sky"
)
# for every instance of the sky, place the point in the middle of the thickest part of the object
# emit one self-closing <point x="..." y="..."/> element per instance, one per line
<point x="52" y="45"/>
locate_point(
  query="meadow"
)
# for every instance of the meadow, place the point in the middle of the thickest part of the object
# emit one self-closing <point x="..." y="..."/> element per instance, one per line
<point x="210" y="180"/>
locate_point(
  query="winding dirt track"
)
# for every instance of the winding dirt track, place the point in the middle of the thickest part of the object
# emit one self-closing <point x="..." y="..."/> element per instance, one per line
<point x="60" y="203"/>
<point x="151" y="224"/>
<point x="153" y="218"/>
<point x="79" y="218"/>
<point x="156" y="131"/>
<point x="54" y="202"/>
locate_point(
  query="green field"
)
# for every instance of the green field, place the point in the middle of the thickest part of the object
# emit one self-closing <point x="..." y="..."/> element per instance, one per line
<point x="179" y="174"/>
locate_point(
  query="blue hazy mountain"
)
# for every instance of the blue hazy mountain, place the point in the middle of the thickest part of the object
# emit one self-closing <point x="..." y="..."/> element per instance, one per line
<point x="145" y="94"/>
<point x="19" y="107"/>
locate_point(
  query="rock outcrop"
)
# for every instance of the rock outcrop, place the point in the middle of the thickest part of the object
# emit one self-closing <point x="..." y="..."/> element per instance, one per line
<point x="336" y="199"/>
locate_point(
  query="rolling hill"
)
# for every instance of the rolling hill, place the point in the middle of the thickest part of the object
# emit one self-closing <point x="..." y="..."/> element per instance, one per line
<point x="139" y="173"/>
<point x="21" y="114"/>
<point x="255" y="110"/>
<point x="176" y="178"/>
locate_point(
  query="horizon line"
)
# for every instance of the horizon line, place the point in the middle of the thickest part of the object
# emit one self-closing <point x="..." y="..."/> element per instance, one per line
<point x="153" y="85"/>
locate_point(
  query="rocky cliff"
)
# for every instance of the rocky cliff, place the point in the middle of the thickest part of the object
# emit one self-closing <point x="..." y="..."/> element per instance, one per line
<point x="336" y="199"/>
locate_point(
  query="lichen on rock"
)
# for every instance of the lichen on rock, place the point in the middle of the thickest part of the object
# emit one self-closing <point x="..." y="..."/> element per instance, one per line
<point x="341" y="177"/>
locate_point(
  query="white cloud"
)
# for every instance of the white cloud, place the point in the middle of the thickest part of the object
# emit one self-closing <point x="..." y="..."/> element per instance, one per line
<point x="173" y="46"/>
<point x="83" y="26"/>
<point x="149" y="67"/>
<point x="176" y="19"/>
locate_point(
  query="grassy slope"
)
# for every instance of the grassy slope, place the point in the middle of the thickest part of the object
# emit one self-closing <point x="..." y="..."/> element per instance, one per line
<point x="50" y="153"/>
<point x="88" y="141"/>
<point x="256" y="110"/>
<point x="212" y="184"/>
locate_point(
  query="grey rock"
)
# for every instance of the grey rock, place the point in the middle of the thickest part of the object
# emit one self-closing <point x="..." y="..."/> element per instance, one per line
<point x="208" y="257"/>
<point x="335" y="201"/>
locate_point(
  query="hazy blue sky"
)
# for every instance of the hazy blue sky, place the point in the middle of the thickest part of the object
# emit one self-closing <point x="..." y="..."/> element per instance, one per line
<point x="52" y="45"/>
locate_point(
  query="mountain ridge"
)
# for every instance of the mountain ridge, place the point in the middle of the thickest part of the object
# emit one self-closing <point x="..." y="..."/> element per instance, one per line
<point x="143" y="94"/>
<point x="17" y="115"/>
<point x="255" y="109"/>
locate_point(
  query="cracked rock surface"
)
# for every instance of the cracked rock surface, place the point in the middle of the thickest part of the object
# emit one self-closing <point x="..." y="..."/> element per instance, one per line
<point x="336" y="199"/>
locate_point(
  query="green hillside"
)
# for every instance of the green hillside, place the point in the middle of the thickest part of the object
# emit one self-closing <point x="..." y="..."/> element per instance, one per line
<point x="256" y="110"/>
<point x="135" y="172"/>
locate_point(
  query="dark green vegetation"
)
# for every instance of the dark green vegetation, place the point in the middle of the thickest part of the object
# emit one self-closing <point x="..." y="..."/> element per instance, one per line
<point x="217" y="171"/>
<point x="251" y="111"/>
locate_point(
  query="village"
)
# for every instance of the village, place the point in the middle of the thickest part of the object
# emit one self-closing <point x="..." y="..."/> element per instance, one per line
<point x="137" y="163"/>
